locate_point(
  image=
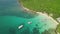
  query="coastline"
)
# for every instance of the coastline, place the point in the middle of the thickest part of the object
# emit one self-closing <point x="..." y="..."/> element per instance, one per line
<point x="45" y="14"/>
<point x="40" y="13"/>
<point x="26" y="9"/>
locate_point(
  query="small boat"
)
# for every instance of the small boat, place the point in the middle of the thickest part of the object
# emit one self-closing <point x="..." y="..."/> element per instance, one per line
<point x="20" y="26"/>
<point x="29" y="22"/>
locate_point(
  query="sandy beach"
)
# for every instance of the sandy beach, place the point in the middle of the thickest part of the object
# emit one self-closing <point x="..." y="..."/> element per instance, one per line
<point x="40" y="13"/>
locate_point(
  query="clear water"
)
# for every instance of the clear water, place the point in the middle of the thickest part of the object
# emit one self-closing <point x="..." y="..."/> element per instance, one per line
<point x="12" y="15"/>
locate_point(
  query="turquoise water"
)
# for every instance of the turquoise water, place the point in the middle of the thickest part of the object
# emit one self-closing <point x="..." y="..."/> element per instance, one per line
<point x="12" y="16"/>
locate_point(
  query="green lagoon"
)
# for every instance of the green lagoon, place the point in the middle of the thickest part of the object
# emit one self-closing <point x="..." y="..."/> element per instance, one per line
<point x="12" y="16"/>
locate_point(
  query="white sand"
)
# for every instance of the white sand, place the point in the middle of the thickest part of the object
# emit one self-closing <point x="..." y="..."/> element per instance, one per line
<point x="40" y="13"/>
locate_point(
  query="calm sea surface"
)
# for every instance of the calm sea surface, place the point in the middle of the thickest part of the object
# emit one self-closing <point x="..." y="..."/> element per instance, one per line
<point x="12" y="16"/>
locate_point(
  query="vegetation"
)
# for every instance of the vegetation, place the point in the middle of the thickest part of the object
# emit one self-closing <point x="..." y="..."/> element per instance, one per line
<point x="58" y="28"/>
<point x="48" y="6"/>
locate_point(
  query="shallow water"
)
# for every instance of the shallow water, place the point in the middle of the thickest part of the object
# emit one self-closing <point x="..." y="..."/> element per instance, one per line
<point x="12" y="15"/>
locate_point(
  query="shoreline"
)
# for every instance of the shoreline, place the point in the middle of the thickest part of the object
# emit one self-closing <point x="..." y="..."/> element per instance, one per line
<point x="40" y="13"/>
<point x="26" y="9"/>
<point x="45" y="14"/>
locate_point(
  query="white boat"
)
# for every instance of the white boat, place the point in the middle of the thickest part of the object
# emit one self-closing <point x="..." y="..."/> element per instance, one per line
<point x="20" y="26"/>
